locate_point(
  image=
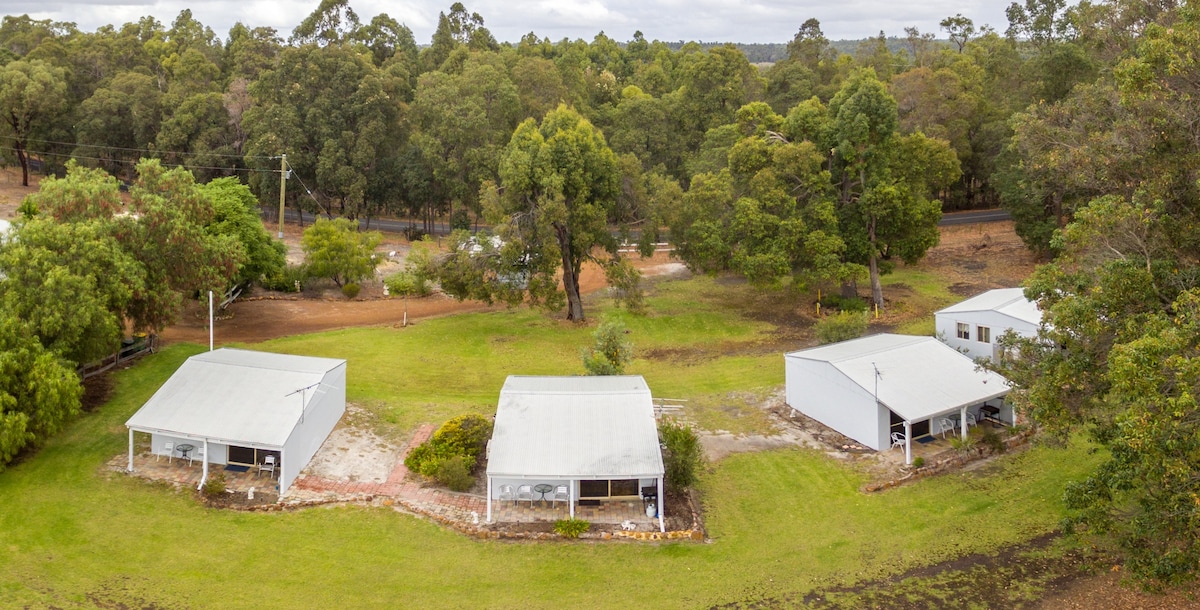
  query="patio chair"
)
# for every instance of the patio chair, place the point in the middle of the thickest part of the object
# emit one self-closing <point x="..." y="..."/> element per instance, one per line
<point x="898" y="440"/>
<point x="560" y="493"/>
<point x="198" y="454"/>
<point x="947" y="425"/>
<point x="506" y="493"/>
<point x="525" y="492"/>
<point x="268" y="466"/>
<point x="971" y="421"/>
<point x="168" y="450"/>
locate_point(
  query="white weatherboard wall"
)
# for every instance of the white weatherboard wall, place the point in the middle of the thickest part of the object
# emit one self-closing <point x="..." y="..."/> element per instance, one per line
<point x="821" y="392"/>
<point x="997" y="310"/>
<point x="326" y="406"/>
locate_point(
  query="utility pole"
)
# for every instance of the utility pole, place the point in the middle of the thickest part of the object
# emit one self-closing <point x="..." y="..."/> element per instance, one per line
<point x="283" y="172"/>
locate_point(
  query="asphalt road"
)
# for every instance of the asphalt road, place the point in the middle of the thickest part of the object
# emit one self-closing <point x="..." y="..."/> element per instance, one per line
<point x="973" y="216"/>
<point x="441" y="228"/>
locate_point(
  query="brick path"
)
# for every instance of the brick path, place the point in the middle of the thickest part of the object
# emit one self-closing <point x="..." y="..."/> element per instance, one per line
<point x="464" y="508"/>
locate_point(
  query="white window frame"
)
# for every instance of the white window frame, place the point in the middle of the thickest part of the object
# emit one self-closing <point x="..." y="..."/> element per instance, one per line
<point x="963" y="331"/>
<point x="983" y="334"/>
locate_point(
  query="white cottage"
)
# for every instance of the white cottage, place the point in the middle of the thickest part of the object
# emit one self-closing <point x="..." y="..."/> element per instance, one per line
<point x="237" y="407"/>
<point x="595" y="435"/>
<point x="973" y="326"/>
<point x="873" y="387"/>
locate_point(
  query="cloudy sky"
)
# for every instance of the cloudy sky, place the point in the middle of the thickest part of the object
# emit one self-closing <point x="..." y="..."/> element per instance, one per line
<point x="668" y="20"/>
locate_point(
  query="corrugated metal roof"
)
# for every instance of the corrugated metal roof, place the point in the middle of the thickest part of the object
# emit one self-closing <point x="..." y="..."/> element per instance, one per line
<point x="578" y="427"/>
<point x="919" y="377"/>
<point x="236" y="396"/>
<point x="1008" y="301"/>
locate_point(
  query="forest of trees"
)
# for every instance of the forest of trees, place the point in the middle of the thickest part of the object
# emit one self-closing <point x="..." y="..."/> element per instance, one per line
<point x="822" y="168"/>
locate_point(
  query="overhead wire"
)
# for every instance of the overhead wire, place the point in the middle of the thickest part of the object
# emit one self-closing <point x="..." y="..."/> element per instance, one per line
<point x="131" y="163"/>
<point x="145" y="150"/>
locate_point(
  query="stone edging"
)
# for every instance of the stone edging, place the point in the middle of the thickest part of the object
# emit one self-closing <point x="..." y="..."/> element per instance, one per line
<point x="953" y="462"/>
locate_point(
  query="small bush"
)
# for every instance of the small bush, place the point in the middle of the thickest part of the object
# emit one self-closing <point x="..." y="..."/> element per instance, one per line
<point x="682" y="454"/>
<point x="464" y="437"/>
<point x="571" y="528"/>
<point x="286" y="279"/>
<point x="842" y="326"/>
<point x="992" y="441"/>
<point x="610" y="351"/>
<point x="453" y="473"/>
<point x="351" y="290"/>
<point x="844" y="304"/>
<point x="918" y="462"/>
<point x="408" y="284"/>
<point x="963" y="445"/>
<point x="214" y="486"/>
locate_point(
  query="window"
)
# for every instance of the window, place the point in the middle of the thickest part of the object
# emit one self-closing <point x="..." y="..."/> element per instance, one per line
<point x="983" y="334"/>
<point x="964" y="331"/>
<point x="608" y="489"/>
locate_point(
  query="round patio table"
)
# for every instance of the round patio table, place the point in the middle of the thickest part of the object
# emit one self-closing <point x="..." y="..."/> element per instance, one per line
<point x="184" y="449"/>
<point x="543" y="489"/>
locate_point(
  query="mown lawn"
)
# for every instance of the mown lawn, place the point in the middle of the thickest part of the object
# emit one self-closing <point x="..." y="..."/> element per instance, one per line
<point x="782" y="522"/>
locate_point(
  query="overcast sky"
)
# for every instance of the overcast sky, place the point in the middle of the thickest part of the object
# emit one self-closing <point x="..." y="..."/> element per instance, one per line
<point x="667" y="20"/>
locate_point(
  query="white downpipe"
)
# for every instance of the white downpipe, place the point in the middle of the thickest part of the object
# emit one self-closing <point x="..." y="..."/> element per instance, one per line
<point x="571" y="498"/>
<point x="907" y="442"/>
<point x="204" y="459"/>
<point x="662" y="502"/>
<point x="210" y="321"/>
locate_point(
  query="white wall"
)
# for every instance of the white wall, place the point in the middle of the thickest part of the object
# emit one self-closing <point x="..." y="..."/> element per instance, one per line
<point x="821" y="392"/>
<point x="574" y="484"/>
<point x="324" y="409"/>
<point x="947" y="329"/>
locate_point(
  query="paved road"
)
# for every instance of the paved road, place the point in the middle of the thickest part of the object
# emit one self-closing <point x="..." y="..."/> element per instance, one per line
<point x="974" y="216"/>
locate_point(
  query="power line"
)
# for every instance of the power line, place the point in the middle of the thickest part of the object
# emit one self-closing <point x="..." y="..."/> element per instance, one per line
<point x="310" y="195"/>
<point x="134" y="163"/>
<point x="145" y="150"/>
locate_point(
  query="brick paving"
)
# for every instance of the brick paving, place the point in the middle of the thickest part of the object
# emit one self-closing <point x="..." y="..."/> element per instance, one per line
<point x="463" y="510"/>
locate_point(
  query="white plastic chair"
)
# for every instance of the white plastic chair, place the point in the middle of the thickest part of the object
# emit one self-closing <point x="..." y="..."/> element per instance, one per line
<point x="560" y="493"/>
<point x="268" y="466"/>
<point x="947" y="425"/>
<point x="971" y="421"/>
<point x="506" y="493"/>
<point x="898" y="440"/>
<point x="525" y="492"/>
<point x="168" y="450"/>
<point x="196" y="455"/>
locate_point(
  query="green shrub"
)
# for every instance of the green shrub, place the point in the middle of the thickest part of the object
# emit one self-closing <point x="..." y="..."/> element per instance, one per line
<point x="214" y="485"/>
<point x="963" y="444"/>
<point x="351" y="290"/>
<point x="992" y="441"/>
<point x="464" y="437"/>
<point x="842" y="326"/>
<point x="453" y="473"/>
<point x="844" y="304"/>
<point x="460" y="220"/>
<point x="571" y="528"/>
<point x="918" y="462"/>
<point x="610" y="351"/>
<point x="408" y="284"/>
<point x="682" y="454"/>
<point x="286" y="279"/>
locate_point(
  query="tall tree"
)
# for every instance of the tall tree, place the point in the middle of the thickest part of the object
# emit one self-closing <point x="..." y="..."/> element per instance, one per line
<point x="558" y="189"/>
<point x="31" y="93"/>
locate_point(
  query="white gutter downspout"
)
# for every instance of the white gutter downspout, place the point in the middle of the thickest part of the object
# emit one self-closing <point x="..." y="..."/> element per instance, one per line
<point x="204" y="465"/>
<point x="489" y="499"/>
<point x="662" y="503"/>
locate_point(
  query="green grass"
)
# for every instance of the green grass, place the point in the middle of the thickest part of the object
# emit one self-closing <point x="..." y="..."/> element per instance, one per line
<point x="73" y="535"/>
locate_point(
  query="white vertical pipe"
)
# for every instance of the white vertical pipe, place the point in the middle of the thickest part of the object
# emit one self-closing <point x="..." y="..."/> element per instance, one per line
<point x="210" y="321"/>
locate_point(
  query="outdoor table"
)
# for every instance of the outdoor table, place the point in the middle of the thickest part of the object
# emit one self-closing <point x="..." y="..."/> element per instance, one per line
<point x="184" y="449"/>
<point x="543" y="489"/>
<point x="991" y="414"/>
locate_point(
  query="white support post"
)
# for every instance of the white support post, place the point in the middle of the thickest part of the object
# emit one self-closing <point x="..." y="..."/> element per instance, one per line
<point x="571" y="497"/>
<point x="662" y="501"/>
<point x="962" y="418"/>
<point x="907" y="442"/>
<point x="489" y="499"/>
<point x="210" y="321"/>
<point x="130" y="468"/>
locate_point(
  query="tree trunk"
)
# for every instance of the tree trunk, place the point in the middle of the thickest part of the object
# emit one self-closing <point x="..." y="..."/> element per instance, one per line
<point x="876" y="286"/>
<point x="570" y="277"/>
<point x="24" y="160"/>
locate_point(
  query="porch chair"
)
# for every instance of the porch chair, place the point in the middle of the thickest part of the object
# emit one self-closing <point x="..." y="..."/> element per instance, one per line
<point x="947" y="425"/>
<point x="525" y="492"/>
<point x="971" y="421"/>
<point x="168" y="450"/>
<point x="197" y="455"/>
<point x="561" y="493"/>
<point x="898" y="440"/>
<point x="506" y="493"/>
<point x="268" y="466"/>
